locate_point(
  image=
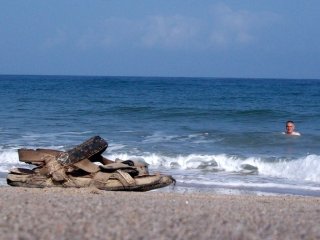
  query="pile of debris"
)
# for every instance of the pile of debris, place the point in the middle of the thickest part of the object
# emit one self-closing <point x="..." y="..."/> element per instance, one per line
<point x="77" y="168"/>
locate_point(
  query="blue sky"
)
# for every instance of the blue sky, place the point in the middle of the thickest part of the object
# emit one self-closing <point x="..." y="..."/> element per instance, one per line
<point x="187" y="38"/>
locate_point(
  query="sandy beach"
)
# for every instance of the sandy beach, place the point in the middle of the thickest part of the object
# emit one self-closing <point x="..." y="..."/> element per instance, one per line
<point x="93" y="214"/>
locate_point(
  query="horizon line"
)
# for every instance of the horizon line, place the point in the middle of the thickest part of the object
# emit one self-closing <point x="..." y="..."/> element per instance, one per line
<point x="154" y="76"/>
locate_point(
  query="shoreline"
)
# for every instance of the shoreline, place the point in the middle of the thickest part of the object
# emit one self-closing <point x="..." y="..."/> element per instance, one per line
<point x="225" y="190"/>
<point x="87" y="213"/>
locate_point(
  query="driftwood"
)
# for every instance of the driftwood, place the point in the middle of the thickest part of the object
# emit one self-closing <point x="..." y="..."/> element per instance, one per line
<point x="76" y="168"/>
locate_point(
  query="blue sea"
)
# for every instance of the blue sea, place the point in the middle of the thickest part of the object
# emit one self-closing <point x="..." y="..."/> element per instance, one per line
<point x="215" y="135"/>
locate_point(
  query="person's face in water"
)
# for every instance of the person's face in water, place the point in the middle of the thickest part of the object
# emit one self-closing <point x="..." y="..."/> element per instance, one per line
<point x="290" y="127"/>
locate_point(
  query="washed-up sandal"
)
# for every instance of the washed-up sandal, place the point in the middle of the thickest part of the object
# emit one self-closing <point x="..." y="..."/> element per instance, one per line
<point x="76" y="168"/>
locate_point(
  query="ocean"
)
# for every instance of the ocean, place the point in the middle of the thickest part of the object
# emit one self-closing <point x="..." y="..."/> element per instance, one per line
<point x="215" y="135"/>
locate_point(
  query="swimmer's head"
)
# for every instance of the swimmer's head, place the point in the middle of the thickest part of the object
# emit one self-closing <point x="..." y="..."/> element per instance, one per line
<point x="290" y="127"/>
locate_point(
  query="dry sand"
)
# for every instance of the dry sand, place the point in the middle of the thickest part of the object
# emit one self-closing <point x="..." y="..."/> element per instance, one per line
<point x="94" y="214"/>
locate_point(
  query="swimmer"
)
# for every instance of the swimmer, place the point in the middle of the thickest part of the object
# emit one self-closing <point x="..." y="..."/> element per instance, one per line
<point x="290" y="129"/>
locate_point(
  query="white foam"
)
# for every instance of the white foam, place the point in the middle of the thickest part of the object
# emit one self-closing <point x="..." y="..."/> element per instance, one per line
<point x="196" y="138"/>
<point x="302" y="169"/>
<point x="253" y="185"/>
<point x="159" y="137"/>
<point x="31" y="135"/>
<point x="9" y="157"/>
<point x="115" y="147"/>
<point x="305" y="169"/>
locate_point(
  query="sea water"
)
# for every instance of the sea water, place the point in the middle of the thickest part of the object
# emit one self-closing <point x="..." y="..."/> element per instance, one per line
<point x="210" y="134"/>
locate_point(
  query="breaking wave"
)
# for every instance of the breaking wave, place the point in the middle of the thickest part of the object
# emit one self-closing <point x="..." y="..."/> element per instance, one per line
<point x="305" y="168"/>
<point x="302" y="169"/>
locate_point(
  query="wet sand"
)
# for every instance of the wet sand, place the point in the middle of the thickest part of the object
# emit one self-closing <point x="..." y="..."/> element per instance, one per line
<point x="94" y="214"/>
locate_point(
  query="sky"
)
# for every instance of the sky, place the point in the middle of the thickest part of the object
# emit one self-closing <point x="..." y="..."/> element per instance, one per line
<point x="169" y="38"/>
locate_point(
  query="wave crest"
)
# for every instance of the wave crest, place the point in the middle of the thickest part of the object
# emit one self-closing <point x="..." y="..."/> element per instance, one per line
<point x="305" y="168"/>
